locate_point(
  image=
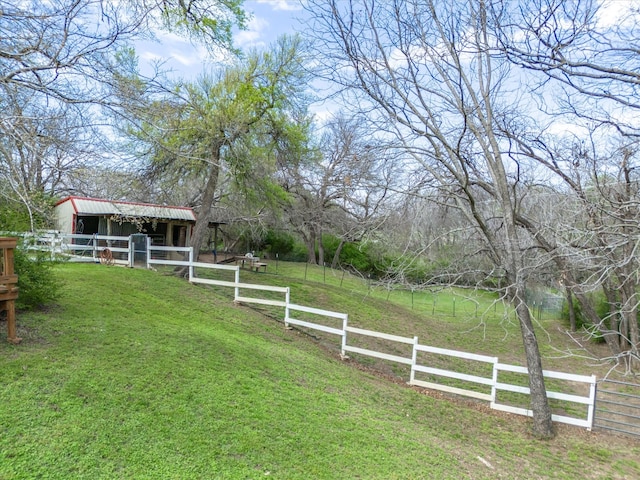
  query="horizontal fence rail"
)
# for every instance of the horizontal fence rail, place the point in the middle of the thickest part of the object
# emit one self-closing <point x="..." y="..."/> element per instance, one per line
<point x="161" y="255"/>
<point x="81" y="247"/>
<point x="289" y="320"/>
<point x="589" y="400"/>
<point x="262" y="301"/>
<point x="451" y="374"/>
<point x="373" y="353"/>
<point x="494" y="383"/>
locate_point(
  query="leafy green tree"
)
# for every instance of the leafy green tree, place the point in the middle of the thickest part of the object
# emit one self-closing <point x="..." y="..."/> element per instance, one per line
<point x="234" y="123"/>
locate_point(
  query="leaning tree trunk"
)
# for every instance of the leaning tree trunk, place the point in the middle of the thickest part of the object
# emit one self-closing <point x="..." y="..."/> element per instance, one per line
<point x="514" y="264"/>
<point x="200" y="231"/>
<point x="336" y="255"/>
<point x="542" y="423"/>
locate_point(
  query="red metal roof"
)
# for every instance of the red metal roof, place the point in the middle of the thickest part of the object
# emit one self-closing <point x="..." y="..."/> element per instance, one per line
<point x="98" y="206"/>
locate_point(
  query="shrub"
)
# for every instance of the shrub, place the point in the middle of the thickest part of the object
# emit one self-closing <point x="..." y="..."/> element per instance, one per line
<point x="279" y="242"/>
<point x="602" y="309"/>
<point x="353" y="257"/>
<point x="297" y="254"/>
<point x="36" y="279"/>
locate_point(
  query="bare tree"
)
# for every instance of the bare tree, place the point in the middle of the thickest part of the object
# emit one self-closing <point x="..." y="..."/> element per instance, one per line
<point x="585" y="52"/>
<point x="430" y="69"/>
<point x="583" y="63"/>
<point x="62" y="48"/>
<point x="593" y="239"/>
<point x="41" y="140"/>
<point x="55" y="76"/>
<point x="342" y="187"/>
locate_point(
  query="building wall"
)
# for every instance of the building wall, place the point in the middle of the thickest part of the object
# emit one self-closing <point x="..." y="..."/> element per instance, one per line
<point x="65" y="217"/>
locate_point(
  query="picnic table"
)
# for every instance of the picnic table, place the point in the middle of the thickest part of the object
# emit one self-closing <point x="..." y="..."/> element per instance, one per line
<point x="251" y="262"/>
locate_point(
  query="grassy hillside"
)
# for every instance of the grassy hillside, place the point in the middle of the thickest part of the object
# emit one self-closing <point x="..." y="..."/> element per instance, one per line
<point x="139" y="375"/>
<point x="468" y="320"/>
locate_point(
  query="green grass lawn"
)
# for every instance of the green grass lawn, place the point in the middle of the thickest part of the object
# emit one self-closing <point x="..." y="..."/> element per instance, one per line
<point x="482" y="324"/>
<point x="135" y="374"/>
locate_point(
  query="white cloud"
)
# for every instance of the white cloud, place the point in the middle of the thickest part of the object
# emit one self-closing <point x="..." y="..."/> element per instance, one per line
<point x="616" y="13"/>
<point x="283" y="5"/>
<point x="254" y="34"/>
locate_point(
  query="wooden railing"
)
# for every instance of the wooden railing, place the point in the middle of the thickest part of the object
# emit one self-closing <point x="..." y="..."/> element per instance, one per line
<point x="8" y="286"/>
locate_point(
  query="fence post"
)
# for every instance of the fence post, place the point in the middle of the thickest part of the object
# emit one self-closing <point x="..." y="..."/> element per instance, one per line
<point x="414" y="360"/>
<point x="287" y="300"/>
<point x="494" y="382"/>
<point x="190" y="264"/>
<point x="236" y="291"/>
<point x="345" y="322"/>
<point x="148" y="252"/>
<point x="94" y="243"/>
<point x="132" y="249"/>
<point x="592" y="402"/>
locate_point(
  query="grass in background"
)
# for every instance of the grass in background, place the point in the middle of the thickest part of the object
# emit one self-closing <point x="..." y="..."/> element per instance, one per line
<point x="140" y="375"/>
<point x="482" y="323"/>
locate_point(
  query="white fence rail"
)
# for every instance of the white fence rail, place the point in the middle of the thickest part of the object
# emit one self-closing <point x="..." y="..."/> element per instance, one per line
<point x="475" y="379"/>
<point x="80" y="247"/>
<point x="375" y="354"/>
<point x="588" y="400"/>
<point x="289" y="320"/>
<point x="161" y="255"/>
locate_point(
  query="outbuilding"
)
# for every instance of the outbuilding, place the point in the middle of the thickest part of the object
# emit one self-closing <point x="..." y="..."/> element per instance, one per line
<point x="165" y="225"/>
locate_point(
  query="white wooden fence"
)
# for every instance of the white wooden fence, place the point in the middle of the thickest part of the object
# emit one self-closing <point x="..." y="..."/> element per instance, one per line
<point x="437" y="377"/>
<point x="236" y="284"/>
<point x="79" y="247"/>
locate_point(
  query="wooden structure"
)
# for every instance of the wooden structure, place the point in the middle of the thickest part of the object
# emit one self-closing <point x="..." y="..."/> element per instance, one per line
<point x="251" y="262"/>
<point x="165" y="225"/>
<point x="8" y="286"/>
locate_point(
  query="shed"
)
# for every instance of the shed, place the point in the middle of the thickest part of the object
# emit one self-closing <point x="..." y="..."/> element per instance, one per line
<point x="165" y="225"/>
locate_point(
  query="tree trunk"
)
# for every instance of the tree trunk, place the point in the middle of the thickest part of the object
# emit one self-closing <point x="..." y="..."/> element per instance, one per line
<point x="614" y="314"/>
<point x="629" y="312"/>
<point x="514" y="264"/>
<point x="542" y="423"/>
<point x="311" y="247"/>
<point x="572" y="312"/>
<point x="336" y="256"/>
<point x="200" y="231"/>
<point x="586" y="305"/>
<point x="320" y="248"/>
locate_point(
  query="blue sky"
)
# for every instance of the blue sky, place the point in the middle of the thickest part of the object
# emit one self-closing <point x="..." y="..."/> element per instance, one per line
<point x="268" y="20"/>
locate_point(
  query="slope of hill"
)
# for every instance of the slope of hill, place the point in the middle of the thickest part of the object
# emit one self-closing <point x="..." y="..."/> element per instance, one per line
<point x="139" y="375"/>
